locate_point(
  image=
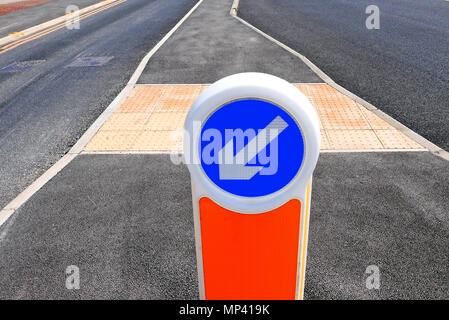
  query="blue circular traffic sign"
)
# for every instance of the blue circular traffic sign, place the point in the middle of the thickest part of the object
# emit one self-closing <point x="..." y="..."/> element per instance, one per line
<point x="251" y="148"/>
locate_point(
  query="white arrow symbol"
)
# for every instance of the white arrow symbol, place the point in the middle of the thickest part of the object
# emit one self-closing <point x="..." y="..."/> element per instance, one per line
<point x="234" y="168"/>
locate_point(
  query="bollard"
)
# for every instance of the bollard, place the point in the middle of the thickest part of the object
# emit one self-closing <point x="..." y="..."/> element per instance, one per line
<point x="251" y="144"/>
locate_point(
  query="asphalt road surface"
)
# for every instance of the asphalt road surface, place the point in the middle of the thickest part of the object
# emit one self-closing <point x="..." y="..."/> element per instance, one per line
<point x="109" y="216"/>
<point x="401" y="68"/>
<point x="46" y="108"/>
<point x="22" y="19"/>
<point x="211" y="44"/>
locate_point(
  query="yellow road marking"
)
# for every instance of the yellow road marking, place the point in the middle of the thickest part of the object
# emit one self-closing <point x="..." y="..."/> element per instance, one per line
<point x="344" y="124"/>
<point x="17" y="34"/>
<point x="61" y="25"/>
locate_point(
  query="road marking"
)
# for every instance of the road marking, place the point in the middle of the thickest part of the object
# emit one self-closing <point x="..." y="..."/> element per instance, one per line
<point x="51" y="29"/>
<point x="89" y="62"/>
<point x="23" y="197"/>
<point x="21" y="66"/>
<point x="17" y="34"/>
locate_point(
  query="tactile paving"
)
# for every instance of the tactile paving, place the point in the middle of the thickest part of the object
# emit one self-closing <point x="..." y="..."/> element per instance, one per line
<point x="125" y="121"/>
<point x="353" y="140"/>
<point x="152" y="118"/>
<point x="394" y="139"/>
<point x="159" y="141"/>
<point x="166" y="121"/>
<point x="113" y="141"/>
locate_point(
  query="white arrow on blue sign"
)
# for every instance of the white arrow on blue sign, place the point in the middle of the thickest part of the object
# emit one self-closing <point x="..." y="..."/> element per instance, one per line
<point x="235" y="168"/>
<point x="251" y="148"/>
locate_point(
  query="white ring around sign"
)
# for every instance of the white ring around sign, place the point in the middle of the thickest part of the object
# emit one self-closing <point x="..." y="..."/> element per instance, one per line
<point x="251" y="86"/>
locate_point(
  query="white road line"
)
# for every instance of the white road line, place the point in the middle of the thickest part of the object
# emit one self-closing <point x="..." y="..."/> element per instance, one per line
<point x="16" y="203"/>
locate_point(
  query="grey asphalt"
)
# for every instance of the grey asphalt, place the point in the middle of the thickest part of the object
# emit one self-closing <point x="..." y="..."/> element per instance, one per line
<point x="402" y="68"/>
<point x="126" y="220"/>
<point x="22" y="19"/>
<point x="211" y="44"/>
<point x="109" y="216"/>
<point x="44" y="110"/>
<point x="390" y="210"/>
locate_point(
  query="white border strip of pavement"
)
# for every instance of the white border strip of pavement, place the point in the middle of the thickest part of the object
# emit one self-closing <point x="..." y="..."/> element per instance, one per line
<point x="396" y="124"/>
<point x="23" y="197"/>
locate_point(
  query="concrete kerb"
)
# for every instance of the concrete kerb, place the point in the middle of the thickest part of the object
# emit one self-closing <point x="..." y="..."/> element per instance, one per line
<point x="234" y="8"/>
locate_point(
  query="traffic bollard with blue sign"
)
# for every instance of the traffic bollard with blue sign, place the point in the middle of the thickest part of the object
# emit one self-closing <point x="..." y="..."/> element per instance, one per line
<point x="251" y="144"/>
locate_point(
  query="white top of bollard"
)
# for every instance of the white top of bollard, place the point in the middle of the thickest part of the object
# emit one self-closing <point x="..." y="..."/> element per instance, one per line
<point x="251" y="142"/>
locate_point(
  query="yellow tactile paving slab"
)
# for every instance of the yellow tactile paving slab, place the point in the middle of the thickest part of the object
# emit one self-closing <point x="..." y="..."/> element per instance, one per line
<point x="152" y="117"/>
<point x="125" y="121"/>
<point x="159" y="140"/>
<point x="343" y="119"/>
<point x="166" y="121"/>
<point x="374" y="121"/>
<point x="393" y="139"/>
<point x="353" y="139"/>
<point x="325" y="145"/>
<point x="106" y="140"/>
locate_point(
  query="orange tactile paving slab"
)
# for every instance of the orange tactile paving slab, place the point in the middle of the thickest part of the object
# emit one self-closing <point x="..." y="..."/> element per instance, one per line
<point x="152" y="117"/>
